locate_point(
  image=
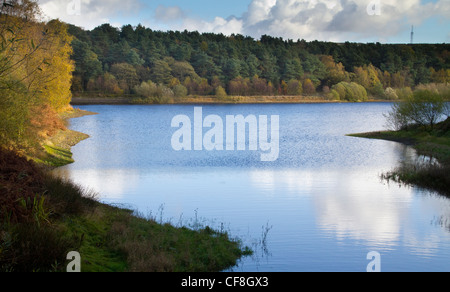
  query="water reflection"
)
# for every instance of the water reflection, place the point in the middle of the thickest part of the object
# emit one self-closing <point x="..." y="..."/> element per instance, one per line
<point x="110" y="184"/>
<point x="356" y="205"/>
<point x="408" y="156"/>
<point x="345" y="203"/>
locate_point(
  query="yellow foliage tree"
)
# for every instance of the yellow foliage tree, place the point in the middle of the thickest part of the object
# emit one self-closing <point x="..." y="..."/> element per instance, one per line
<point x="369" y="77"/>
<point x="308" y="87"/>
<point x="56" y="72"/>
<point x="35" y="72"/>
<point x="335" y="71"/>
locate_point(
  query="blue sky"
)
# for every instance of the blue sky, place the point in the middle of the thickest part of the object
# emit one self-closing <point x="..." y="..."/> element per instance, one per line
<point x="386" y="21"/>
<point x="206" y="9"/>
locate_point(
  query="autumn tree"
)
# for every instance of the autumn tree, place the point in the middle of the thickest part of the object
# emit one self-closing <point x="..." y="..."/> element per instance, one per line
<point x="368" y="77"/>
<point x="180" y="90"/>
<point x="335" y="71"/>
<point x="105" y="83"/>
<point x="440" y="76"/>
<point x="308" y="87"/>
<point x="258" y="85"/>
<point x="161" y="72"/>
<point x="126" y="75"/>
<point x="239" y="86"/>
<point x="54" y="77"/>
<point x="35" y="73"/>
<point x="349" y="91"/>
<point x="220" y="92"/>
<point x="294" y="87"/>
<point x="182" y="70"/>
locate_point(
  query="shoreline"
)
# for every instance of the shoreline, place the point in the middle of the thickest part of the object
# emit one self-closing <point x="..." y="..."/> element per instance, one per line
<point x="130" y="250"/>
<point x="434" y="144"/>
<point x="215" y="101"/>
<point x="57" y="148"/>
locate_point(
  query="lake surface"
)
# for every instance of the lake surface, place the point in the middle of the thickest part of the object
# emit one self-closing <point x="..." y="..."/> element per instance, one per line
<point x="320" y="207"/>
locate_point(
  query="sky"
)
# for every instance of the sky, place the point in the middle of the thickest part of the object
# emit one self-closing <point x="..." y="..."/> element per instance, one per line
<point x="385" y="21"/>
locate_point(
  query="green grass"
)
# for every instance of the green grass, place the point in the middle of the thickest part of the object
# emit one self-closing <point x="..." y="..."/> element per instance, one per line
<point x="114" y="240"/>
<point x="55" y="156"/>
<point x="97" y="254"/>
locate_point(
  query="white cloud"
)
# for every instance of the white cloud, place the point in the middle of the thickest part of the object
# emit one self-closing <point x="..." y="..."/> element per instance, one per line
<point x="258" y="10"/>
<point x="218" y="25"/>
<point x="332" y="20"/>
<point x="88" y="13"/>
<point x="168" y="14"/>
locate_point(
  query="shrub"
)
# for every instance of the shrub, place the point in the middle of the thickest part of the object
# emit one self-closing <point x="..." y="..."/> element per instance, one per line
<point x="220" y="92"/>
<point x="180" y="90"/>
<point x="30" y="200"/>
<point x="349" y="91"/>
<point x="404" y="93"/>
<point x="423" y="108"/>
<point x="294" y="87"/>
<point x="147" y="89"/>
<point x="442" y="89"/>
<point x="340" y="90"/>
<point x="333" y="95"/>
<point x="390" y="93"/>
<point x="426" y="107"/>
<point x="153" y="93"/>
<point x="397" y="119"/>
<point x="308" y="87"/>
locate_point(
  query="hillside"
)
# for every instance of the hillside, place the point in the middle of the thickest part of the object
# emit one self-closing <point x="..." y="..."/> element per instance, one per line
<point x="121" y="61"/>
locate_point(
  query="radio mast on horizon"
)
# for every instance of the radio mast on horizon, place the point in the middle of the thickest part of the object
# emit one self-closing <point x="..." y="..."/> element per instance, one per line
<point x="412" y="34"/>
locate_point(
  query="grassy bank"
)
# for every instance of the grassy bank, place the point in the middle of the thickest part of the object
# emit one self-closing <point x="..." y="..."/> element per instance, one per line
<point x="430" y="143"/>
<point x="42" y="218"/>
<point x="55" y="151"/>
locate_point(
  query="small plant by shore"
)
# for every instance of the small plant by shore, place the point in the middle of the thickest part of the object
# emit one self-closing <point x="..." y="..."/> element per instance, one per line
<point x="432" y="177"/>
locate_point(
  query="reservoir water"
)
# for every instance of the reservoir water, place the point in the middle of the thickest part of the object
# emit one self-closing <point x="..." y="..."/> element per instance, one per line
<point x="321" y="206"/>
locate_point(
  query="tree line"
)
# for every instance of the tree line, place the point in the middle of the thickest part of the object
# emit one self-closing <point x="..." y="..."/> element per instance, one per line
<point x="43" y="63"/>
<point x="118" y="61"/>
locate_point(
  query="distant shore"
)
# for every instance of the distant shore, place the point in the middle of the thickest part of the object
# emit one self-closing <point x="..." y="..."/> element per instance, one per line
<point x="214" y="100"/>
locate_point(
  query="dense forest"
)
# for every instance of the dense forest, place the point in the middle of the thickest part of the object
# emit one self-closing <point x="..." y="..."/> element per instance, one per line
<point x="138" y="60"/>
